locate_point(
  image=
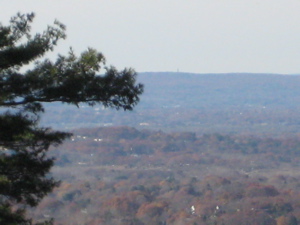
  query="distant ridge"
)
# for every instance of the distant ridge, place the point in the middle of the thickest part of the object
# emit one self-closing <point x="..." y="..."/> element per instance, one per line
<point x="229" y="73"/>
<point x="221" y="89"/>
<point x="210" y="102"/>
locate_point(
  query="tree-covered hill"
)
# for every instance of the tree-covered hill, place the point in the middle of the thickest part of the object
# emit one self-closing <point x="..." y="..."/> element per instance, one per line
<point x="258" y="104"/>
<point x="126" y="176"/>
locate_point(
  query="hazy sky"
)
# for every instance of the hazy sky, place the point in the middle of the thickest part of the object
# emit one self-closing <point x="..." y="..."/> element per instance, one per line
<point x="199" y="36"/>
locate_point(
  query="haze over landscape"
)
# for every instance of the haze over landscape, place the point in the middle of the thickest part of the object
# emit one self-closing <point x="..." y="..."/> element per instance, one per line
<point x="199" y="149"/>
<point x="239" y="103"/>
<point x="214" y="139"/>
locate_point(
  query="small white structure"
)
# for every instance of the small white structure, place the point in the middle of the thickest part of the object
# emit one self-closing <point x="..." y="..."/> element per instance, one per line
<point x="84" y="211"/>
<point x="193" y="209"/>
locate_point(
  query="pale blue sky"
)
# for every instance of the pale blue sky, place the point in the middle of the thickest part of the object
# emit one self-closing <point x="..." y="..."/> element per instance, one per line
<point x="199" y="36"/>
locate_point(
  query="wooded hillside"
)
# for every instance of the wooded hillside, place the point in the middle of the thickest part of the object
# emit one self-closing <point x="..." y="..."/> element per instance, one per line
<point x="221" y="149"/>
<point x="121" y="175"/>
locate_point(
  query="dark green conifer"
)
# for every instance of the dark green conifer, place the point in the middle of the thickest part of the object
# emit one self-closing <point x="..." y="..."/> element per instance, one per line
<point x="71" y="79"/>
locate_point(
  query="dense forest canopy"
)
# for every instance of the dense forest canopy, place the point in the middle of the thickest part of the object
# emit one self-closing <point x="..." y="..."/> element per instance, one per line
<point x="122" y="175"/>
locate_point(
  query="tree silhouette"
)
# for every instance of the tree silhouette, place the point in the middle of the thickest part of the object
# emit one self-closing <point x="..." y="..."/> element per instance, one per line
<point x="71" y="79"/>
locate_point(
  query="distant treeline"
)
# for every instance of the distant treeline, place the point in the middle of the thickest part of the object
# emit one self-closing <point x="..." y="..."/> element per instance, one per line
<point x="256" y="104"/>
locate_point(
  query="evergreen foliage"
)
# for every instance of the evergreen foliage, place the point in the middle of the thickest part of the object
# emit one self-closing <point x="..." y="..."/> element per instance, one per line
<point x="71" y="79"/>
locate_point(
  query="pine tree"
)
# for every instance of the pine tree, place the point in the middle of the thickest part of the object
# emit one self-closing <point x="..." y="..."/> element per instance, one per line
<point x="71" y="79"/>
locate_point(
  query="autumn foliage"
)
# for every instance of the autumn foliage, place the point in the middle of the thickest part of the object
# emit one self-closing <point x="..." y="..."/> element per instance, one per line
<point x="139" y="177"/>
